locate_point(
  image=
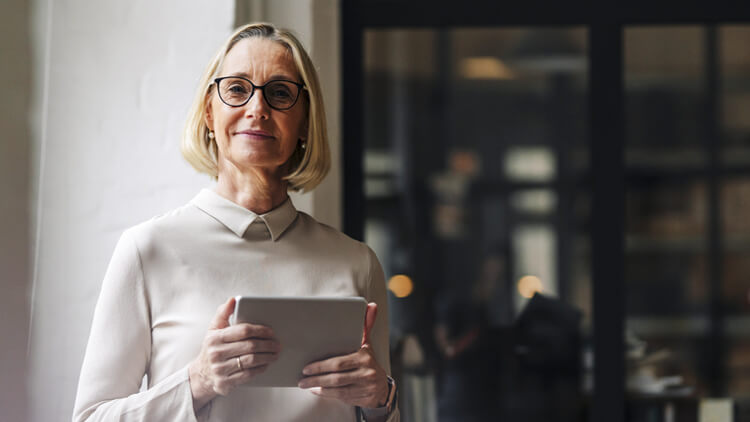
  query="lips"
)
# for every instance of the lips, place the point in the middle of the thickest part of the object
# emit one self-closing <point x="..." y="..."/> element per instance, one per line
<point x="256" y="134"/>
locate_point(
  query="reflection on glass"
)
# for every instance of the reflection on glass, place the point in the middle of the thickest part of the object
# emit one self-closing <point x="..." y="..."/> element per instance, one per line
<point x="734" y="208"/>
<point x="536" y="256"/>
<point x="738" y="365"/>
<point x="533" y="164"/>
<point x="534" y="201"/>
<point x="735" y="287"/>
<point x="667" y="219"/>
<point x="475" y="146"/>
<point x="665" y="90"/>
<point x="734" y="68"/>
<point x="688" y="296"/>
<point x="485" y="68"/>
<point x="666" y="209"/>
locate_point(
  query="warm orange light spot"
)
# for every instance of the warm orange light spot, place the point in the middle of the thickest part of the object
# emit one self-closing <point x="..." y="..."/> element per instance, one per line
<point x="401" y="285"/>
<point x="485" y="67"/>
<point x="528" y="285"/>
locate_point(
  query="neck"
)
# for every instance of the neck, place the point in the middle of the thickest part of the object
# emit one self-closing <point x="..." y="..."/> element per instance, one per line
<point x="259" y="191"/>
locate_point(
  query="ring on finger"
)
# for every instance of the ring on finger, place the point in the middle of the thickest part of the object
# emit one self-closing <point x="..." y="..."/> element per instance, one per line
<point x="239" y="364"/>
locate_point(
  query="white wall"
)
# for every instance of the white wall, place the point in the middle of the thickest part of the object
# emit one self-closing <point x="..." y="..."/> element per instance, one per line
<point x="15" y="85"/>
<point x="113" y="83"/>
<point x="117" y="79"/>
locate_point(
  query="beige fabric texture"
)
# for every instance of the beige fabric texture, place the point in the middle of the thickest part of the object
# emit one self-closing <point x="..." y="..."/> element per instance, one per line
<point x="164" y="283"/>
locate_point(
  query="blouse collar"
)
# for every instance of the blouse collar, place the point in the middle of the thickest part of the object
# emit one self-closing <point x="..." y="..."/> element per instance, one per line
<point x="238" y="218"/>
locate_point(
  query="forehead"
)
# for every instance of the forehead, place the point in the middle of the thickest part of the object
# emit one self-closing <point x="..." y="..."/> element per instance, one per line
<point x="259" y="59"/>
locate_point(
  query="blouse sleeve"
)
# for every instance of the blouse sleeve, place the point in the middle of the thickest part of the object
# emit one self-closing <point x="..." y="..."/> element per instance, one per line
<point x="376" y="292"/>
<point x="118" y="353"/>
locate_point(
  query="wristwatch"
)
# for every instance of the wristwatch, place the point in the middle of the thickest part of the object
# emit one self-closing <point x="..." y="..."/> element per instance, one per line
<point x="392" y="394"/>
<point x="382" y="411"/>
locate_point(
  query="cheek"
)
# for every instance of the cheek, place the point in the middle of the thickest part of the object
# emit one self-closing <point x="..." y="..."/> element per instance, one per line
<point x="293" y="126"/>
<point x="224" y="116"/>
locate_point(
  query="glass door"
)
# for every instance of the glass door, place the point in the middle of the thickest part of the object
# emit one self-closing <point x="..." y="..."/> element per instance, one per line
<point x="688" y="184"/>
<point x="733" y="124"/>
<point x="475" y="179"/>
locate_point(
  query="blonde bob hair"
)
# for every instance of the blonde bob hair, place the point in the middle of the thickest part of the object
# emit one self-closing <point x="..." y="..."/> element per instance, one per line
<point x="307" y="166"/>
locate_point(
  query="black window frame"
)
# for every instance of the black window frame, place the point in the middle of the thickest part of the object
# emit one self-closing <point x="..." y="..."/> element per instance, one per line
<point x="605" y="21"/>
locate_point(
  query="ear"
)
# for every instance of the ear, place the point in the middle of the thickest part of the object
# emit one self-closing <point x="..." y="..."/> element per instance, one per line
<point x="304" y="130"/>
<point x="208" y="116"/>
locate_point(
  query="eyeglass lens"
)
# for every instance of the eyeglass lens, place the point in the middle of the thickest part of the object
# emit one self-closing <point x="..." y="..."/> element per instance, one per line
<point x="279" y="94"/>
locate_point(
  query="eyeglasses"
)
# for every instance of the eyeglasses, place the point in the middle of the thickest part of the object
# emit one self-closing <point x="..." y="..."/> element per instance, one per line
<point x="236" y="91"/>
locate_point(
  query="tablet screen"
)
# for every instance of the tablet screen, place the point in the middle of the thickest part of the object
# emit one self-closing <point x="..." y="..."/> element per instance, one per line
<point x="308" y="328"/>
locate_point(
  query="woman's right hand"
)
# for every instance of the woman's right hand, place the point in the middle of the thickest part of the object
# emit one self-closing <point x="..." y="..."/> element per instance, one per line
<point x="230" y="356"/>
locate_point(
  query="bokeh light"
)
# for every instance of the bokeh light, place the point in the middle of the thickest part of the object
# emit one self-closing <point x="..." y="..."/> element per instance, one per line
<point x="401" y="285"/>
<point x="529" y="285"/>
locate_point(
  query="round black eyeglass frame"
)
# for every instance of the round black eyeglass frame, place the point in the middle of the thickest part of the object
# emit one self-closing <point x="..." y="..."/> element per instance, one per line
<point x="262" y="88"/>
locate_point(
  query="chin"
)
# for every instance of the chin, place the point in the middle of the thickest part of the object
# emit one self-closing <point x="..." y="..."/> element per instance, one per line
<point x="255" y="161"/>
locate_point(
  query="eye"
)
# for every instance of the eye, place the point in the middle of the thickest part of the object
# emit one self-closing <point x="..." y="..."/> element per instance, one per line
<point x="237" y="89"/>
<point x="280" y="91"/>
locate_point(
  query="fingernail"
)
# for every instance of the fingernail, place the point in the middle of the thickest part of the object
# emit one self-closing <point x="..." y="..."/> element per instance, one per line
<point x="305" y="371"/>
<point x="315" y="390"/>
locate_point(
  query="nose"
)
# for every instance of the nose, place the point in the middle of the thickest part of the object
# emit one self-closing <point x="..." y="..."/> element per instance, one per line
<point x="257" y="106"/>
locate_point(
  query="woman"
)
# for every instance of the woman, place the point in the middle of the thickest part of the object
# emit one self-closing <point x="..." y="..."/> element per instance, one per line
<point x="257" y="125"/>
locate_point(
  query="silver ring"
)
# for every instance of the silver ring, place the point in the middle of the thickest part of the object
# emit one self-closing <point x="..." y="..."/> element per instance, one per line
<point x="239" y="364"/>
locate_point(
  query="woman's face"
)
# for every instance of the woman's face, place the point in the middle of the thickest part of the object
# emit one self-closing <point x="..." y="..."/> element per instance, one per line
<point x="256" y="135"/>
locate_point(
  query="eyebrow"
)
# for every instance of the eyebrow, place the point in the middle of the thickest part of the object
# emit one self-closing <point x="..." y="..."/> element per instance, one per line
<point x="275" y="76"/>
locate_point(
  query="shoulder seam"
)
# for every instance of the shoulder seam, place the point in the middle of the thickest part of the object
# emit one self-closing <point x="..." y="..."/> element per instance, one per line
<point x="143" y="284"/>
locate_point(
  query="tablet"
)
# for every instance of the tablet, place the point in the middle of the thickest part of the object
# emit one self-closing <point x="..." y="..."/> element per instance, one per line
<point x="308" y="328"/>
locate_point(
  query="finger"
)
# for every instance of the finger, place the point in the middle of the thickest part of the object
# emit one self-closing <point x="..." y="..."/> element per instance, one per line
<point x="229" y="366"/>
<point x="246" y="331"/>
<point x="259" y="346"/>
<point x="255" y="360"/>
<point x="231" y="350"/>
<point x="335" y="364"/>
<point x="370" y="315"/>
<point x="337" y="379"/>
<point x="226" y="384"/>
<point x="348" y="393"/>
<point x="221" y="318"/>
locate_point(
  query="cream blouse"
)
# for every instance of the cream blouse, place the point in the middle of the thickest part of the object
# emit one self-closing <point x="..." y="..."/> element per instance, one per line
<point x="164" y="283"/>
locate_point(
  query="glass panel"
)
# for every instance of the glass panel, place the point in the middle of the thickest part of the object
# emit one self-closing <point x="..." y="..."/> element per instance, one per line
<point x="665" y="88"/>
<point x="734" y="68"/>
<point x="734" y="206"/>
<point x="475" y="154"/>
<point x="738" y="366"/>
<point x="683" y="296"/>
<point x="667" y="235"/>
<point x="735" y="289"/>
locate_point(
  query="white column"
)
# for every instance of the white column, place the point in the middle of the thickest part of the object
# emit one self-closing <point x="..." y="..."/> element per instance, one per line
<point x="15" y="84"/>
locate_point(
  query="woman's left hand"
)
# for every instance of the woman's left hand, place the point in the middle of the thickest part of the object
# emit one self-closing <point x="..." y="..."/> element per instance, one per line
<point x="356" y="379"/>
